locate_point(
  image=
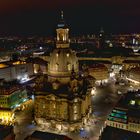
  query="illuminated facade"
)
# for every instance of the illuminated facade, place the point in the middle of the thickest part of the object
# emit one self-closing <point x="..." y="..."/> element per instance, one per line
<point x="127" y="114"/>
<point x="63" y="99"/>
<point x="99" y="72"/>
<point x="6" y="116"/>
<point x="118" y="118"/>
<point x="11" y="97"/>
<point x="16" y="70"/>
<point x="128" y="64"/>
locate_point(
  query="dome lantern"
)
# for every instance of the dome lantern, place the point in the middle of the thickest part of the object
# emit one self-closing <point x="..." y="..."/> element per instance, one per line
<point x="62" y="33"/>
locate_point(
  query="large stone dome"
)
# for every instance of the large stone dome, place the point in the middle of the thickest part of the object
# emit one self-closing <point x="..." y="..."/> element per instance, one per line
<point x="62" y="62"/>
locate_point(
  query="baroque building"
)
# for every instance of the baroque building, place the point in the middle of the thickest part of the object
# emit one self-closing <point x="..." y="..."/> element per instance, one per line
<point x="63" y="96"/>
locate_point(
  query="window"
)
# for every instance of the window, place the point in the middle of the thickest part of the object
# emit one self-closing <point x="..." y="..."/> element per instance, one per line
<point x="75" y="109"/>
<point x="43" y="106"/>
<point x="75" y="116"/>
<point x="56" y="66"/>
<point x="68" y="54"/>
<point x="57" y="54"/>
<point x="75" y="100"/>
<point x="69" y="67"/>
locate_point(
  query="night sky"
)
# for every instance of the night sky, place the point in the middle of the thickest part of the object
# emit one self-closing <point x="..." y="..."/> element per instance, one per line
<point x="39" y="17"/>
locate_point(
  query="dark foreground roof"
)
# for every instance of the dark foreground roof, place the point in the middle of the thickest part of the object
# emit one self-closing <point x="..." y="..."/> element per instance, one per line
<point x="48" y="136"/>
<point x="5" y="131"/>
<point x="111" y="133"/>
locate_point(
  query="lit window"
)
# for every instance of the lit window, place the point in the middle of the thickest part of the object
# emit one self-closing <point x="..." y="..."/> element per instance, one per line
<point x="132" y="102"/>
<point x="43" y="106"/>
<point x="75" y="100"/>
<point x="54" y="106"/>
<point x="93" y="91"/>
<point x="75" y="109"/>
<point x="56" y="66"/>
<point x="68" y="54"/>
<point x="69" y="67"/>
<point x="75" y="116"/>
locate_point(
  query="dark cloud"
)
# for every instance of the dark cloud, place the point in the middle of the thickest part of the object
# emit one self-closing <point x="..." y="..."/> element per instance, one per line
<point x="83" y="16"/>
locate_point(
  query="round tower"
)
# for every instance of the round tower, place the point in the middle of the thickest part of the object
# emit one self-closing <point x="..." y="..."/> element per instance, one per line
<point x="62" y="60"/>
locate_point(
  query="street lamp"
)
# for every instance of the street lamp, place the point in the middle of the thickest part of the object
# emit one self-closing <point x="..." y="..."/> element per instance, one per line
<point x="93" y="91"/>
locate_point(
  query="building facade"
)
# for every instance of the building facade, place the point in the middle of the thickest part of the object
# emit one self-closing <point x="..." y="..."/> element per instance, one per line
<point x="11" y="97"/>
<point x="16" y="70"/>
<point x="126" y="117"/>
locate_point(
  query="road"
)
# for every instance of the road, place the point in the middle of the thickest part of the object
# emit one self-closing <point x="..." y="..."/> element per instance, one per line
<point x="23" y="126"/>
<point x="103" y="102"/>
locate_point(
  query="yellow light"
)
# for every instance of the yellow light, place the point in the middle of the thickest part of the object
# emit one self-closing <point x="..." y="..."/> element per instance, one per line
<point x="18" y="62"/>
<point x="6" y="117"/>
<point x="3" y="65"/>
<point x="93" y="91"/>
<point x="132" y="102"/>
<point x="68" y="54"/>
<point x="134" y="81"/>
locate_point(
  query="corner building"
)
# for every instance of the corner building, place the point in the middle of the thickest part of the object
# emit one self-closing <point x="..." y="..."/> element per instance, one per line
<point x="63" y="98"/>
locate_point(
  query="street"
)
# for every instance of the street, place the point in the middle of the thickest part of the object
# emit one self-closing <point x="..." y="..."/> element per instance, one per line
<point x="103" y="102"/>
<point x="23" y="126"/>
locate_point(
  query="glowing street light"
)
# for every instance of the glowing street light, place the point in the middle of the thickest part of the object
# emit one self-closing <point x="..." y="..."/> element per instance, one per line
<point x="93" y="91"/>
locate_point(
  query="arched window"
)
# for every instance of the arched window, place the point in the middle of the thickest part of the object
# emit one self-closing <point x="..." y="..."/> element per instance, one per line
<point x="57" y="54"/>
<point x="75" y="109"/>
<point x="69" y="66"/>
<point x="56" y="66"/>
<point x="68" y="54"/>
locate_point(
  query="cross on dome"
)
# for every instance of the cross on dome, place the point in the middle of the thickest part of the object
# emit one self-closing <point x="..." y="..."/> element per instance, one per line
<point x="62" y="15"/>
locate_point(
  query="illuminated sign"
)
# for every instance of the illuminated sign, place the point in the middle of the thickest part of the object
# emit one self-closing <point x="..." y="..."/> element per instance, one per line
<point x="117" y="120"/>
<point x="120" y="112"/>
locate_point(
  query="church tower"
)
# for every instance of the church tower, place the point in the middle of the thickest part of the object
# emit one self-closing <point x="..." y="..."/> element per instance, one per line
<point x="62" y="60"/>
<point x="63" y="101"/>
<point x="62" y="34"/>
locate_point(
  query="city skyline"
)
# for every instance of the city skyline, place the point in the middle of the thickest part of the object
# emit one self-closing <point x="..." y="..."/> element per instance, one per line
<point x="86" y="17"/>
<point x="75" y="88"/>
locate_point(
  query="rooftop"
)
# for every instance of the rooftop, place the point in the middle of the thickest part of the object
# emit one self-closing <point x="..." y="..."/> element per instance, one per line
<point x="5" y="131"/>
<point x="124" y="104"/>
<point x="131" y="61"/>
<point x="48" y="136"/>
<point x="11" y="63"/>
<point x="9" y="87"/>
<point x="62" y="92"/>
<point x="111" y="133"/>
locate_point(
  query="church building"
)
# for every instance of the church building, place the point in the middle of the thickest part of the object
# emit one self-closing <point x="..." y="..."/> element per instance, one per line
<point x="63" y="97"/>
